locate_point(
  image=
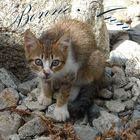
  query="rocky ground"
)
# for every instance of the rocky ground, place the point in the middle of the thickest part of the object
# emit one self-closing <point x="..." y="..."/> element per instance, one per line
<point x="115" y="114"/>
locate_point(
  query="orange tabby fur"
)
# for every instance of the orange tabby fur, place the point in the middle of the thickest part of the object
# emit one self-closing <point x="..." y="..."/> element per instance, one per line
<point x="67" y="55"/>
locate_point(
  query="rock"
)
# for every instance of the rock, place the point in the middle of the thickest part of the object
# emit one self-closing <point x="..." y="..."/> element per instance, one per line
<point x="114" y="106"/>
<point x="8" y="97"/>
<point x="99" y="102"/>
<point x="22" y="107"/>
<point x="129" y="104"/>
<point x="35" y="93"/>
<point x="104" y="122"/>
<point x="137" y="107"/>
<point x="106" y="94"/>
<point x="14" y="137"/>
<point x="124" y="52"/>
<point x="34" y="127"/>
<point x="8" y="78"/>
<point x="129" y="86"/>
<point x="28" y="86"/>
<point x="120" y="94"/>
<point x="118" y="79"/>
<point x="136" y="115"/>
<point x="135" y="92"/>
<point x="2" y="86"/>
<point x="50" y="110"/>
<point x="34" y="105"/>
<point x="133" y="68"/>
<point x="9" y="123"/>
<point x="43" y="138"/>
<point x="86" y="132"/>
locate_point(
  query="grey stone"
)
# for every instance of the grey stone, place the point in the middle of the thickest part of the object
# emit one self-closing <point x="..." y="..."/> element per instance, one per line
<point x="136" y="115"/>
<point x="135" y="92"/>
<point x="8" y="97"/>
<point x="14" y="137"/>
<point x="129" y="104"/>
<point x="104" y="122"/>
<point x="99" y="102"/>
<point x="106" y="94"/>
<point x="2" y="86"/>
<point x="34" y="127"/>
<point x="34" y="105"/>
<point x="138" y="107"/>
<point x="8" y="78"/>
<point x="9" y="123"/>
<point x="118" y="79"/>
<point x="43" y="138"/>
<point x="35" y="93"/>
<point x="22" y="107"/>
<point x="28" y="86"/>
<point x="120" y="94"/>
<point x="86" y="132"/>
<point x="114" y="106"/>
<point x="129" y="86"/>
<point x="133" y="68"/>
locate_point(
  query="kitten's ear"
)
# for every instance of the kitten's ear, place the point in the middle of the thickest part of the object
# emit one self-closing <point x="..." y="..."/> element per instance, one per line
<point x="30" y="41"/>
<point x="65" y="42"/>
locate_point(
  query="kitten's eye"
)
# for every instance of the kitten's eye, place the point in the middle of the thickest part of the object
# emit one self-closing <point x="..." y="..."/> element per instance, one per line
<point x="38" y="62"/>
<point x="55" y="62"/>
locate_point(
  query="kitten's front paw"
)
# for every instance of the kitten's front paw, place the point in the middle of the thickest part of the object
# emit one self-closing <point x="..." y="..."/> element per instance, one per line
<point x="61" y="113"/>
<point x="43" y="100"/>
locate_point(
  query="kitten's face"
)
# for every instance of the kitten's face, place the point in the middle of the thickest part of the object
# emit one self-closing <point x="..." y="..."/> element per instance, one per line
<point x="45" y="61"/>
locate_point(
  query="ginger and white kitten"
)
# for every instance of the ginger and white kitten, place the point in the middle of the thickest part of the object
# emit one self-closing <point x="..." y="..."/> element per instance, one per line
<point x="65" y="55"/>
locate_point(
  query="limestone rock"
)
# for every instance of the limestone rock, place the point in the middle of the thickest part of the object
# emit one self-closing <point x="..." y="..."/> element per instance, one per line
<point x="8" y="97"/>
<point x="115" y="106"/>
<point x="104" y="122"/>
<point x="34" y="105"/>
<point x="28" y="86"/>
<point x="9" y="123"/>
<point x="118" y="79"/>
<point x="2" y="86"/>
<point x="136" y="115"/>
<point x="34" y="127"/>
<point x="85" y="132"/>
<point x="124" y="52"/>
<point x="133" y="68"/>
<point x="43" y="138"/>
<point x="120" y="94"/>
<point x="106" y="94"/>
<point x="8" y="78"/>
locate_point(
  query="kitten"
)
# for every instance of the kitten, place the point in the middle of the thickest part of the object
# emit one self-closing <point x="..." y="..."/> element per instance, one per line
<point x="66" y="58"/>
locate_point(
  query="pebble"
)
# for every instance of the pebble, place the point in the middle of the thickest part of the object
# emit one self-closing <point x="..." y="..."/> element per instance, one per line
<point x="8" y="79"/>
<point x="135" y="115"/>
<point x="120" y="94"/>
<point x="106" y="94"/>
<point x="129" y="104"/>
<point x="34" y="127"/>
<point x="86" y="132"/>
<point x="114" y="106"/>
<point x="34" y="105"/>
<point x="118" y="79"/>
<point x="9" y="123"/>
<point x="104" y="122"/>
<point x="8" y="97"/>
<point x="28" y="86"/>
<point x="43" y="138"/>
<point x="2" y="86"/>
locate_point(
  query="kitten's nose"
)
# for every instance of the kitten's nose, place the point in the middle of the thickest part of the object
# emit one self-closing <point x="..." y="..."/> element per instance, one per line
<point x="46" y="73"/>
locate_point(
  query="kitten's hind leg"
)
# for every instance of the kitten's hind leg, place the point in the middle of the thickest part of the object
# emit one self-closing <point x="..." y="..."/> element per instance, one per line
<point x="45" y="98"/>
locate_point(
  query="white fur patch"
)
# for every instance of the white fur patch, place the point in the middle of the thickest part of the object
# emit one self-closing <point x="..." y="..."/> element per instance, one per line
<point x="74" y="93"/>
<point x="61" y="113"/>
